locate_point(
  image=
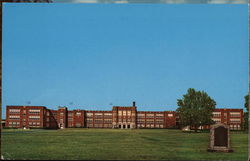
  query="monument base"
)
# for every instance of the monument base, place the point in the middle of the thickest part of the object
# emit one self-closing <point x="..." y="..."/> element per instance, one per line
<point x="226" y="150"/>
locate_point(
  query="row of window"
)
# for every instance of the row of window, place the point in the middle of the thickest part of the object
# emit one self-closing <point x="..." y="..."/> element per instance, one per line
<point x="18" y="123"/>
<point x="143" y="122"/>
<point x="232" y="114"/>
<point x="100" y="121"/>
<point x="126" y="120"/>
<point x="14" y="123"/>
<point x="32" y="111"/>
<point x="125" y="112"/>
<point x="77" y="114"/>
<point x="34" y="123"/>
<point x="99" y="117"/>
<point x="99" y="125"/>
<point x="14" y="117"/>
<point x="157" y="119"/>
<point x="98" y="114"/>
<point x="149" y="126"/>
<point x="235" y="127"/>
<point x="233" y="120"/>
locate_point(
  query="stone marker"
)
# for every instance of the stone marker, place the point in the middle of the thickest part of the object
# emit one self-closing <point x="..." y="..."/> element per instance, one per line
<point x="219" y="138"/>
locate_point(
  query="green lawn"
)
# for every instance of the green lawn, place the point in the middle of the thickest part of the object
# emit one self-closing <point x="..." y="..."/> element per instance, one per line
<point x="138" y="144"/>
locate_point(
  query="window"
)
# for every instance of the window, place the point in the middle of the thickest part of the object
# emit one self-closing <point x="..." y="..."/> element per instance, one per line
<point x="90" y="125"/>
<point x="89" y="120"/>
<point x="98" y="121"/>
<point x="107" y="114"/>
<point x="89" y="114"/>
<point x="98" y="125"/>
<point x="124" y="113"/>
<point x="150" y="121"/>
<point x="235" y="114"/>
<point x="216" y="114"/>
<point x="157" y="126"/>
<point x="217" y="120"/>
<point x="149" y="115"/>
<point x="159" y="121"/>
<point x="78" y="114"/>
<point x="34" y="111"/>
<point x="170" y="115"/>
<point x="13" y="117"/>
<point x="98" y="115"/>
<point x="14" y="110"/>
<point x="140" y="115"/>
<point x="236" y="120"/>
<point x="140" y="120"/>
<point x="34" y="117"/>
<point x="107" y="120"/>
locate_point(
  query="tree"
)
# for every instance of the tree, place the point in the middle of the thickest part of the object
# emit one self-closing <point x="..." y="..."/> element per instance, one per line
<point x="195" y="109"/>
<point x="246" y="114"/>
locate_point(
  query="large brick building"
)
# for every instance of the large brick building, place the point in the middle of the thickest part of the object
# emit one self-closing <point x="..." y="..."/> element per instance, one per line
<point x="118" y="117"/>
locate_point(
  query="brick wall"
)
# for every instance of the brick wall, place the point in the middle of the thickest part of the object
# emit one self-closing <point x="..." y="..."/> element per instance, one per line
<point x="25" y="116"/>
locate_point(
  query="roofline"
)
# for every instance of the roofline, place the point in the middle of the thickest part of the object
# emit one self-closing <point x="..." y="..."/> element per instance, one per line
<point x="23" y="106"/>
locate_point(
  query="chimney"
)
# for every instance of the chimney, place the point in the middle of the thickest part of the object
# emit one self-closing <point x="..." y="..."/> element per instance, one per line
<point x="133" y="103"/>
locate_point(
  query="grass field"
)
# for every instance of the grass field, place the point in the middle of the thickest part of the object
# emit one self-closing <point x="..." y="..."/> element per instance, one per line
<point x="103" y="144"/>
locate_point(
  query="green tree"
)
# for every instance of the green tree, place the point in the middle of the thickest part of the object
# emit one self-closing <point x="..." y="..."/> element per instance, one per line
<point x="195" y="109"/>
<point x="246" y="114"/>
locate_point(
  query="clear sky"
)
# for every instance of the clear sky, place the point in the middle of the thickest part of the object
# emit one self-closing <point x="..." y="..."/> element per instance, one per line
<point x="94" y="56"/>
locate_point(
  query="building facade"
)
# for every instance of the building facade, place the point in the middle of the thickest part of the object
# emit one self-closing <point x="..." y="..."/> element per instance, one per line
<point x="119" y="117"/>
<point x="231" y="117"/>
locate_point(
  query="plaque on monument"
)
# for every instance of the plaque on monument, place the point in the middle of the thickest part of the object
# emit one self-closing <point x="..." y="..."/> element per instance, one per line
<point x="220" y="138"/>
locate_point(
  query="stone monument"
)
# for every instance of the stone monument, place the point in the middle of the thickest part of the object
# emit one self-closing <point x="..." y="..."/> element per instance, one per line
<point x="220" y="138"/>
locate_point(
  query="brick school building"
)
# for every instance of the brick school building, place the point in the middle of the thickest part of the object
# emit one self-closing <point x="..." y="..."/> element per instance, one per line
<point x="119" y="117"/>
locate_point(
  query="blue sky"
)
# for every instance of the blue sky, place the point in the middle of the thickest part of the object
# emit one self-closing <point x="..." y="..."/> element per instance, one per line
<point x="93" y="56"/>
